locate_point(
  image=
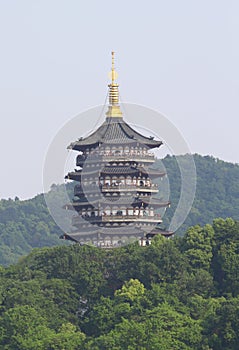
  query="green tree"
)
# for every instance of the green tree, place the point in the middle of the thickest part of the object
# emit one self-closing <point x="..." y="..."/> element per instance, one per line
<point x="198" y="246"/>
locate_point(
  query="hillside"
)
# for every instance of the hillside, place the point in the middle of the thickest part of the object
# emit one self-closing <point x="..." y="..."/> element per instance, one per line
<point x="217" y="192"/>
<point x="175" y="294"/>
<point x="27" y="224"/>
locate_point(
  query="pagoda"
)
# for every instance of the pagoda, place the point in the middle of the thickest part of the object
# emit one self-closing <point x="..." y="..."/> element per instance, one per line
<point x="114" y="198"/>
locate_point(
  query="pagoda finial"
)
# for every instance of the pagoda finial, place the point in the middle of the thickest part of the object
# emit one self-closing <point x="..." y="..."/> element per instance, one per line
<point x="114" y="74"/>
<point x="114" y="108"/>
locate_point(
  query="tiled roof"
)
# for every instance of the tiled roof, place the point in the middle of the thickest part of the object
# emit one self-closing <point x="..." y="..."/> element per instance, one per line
<point x="114" y="231"/>
<point x="121" y="200"/>
<point x="114" y="131"/>
<point x="115" y="170"/>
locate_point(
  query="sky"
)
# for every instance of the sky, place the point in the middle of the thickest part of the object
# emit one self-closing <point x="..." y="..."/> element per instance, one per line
<point x="177" y="57"/>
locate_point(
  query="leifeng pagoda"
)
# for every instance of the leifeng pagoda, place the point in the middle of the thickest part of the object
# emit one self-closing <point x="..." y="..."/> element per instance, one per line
<point x="114" y="198"/>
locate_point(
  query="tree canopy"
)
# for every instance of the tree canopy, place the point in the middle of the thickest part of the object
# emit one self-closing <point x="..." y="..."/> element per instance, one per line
<point x="180" y="293"/>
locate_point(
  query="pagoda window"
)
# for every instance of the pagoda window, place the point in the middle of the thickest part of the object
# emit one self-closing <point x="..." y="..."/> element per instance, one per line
<point x="114" y="180"/>
<point x="151" y="212"/>
<point x="126" y="150"/>
<point x="107" y="211"/>
<point x="128" y="180"/>
<point x="122" y="180"/>
<point x="107" y="181"/>
<point x="113" y="211"/>
<point x="107" y="150"/>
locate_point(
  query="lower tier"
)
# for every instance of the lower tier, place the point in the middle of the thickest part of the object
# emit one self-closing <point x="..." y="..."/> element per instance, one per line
<point x="114" y="237"/>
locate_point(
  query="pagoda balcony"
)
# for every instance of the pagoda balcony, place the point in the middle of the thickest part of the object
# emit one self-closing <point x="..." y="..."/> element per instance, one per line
<point x="95" y="219"/>
<point x="129" y="218"/>
<point x="114" y="157"/>
<point x="92" y="188"/>
<point x="152" y="188"/>
<point x="127" y="157"/>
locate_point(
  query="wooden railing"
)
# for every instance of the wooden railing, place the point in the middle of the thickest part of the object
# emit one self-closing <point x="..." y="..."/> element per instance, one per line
<point x="124" y="187"/>
<point x="114" y="157"/>
<point x="116" y="218"/>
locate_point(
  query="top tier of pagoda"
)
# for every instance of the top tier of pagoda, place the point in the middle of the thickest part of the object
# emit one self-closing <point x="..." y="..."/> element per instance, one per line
<point x="114" y="130"/>
<point x="113" y="199"/>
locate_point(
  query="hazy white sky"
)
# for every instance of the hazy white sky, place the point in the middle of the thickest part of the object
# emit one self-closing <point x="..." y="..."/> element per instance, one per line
<point x="178" y="57"/>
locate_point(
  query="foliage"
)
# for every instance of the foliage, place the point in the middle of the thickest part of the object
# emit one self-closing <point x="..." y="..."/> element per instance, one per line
<point x="180" y="293"/>
<point x="217" y="192"/>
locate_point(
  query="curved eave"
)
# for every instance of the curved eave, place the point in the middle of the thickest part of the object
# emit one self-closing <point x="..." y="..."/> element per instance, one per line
<point x="158" y="231"/>
<point x="79" y="237"/>
<point x="69" y="237"/>
<point x="76" y="175"/>
<point x="81" y="146"/>
<point x="154" y="202"/>
<point x="73" y="176"/>
<point x="152" y="172"/>
<point x="118" y="170"/>
<point x="147" y="141"/>
<point x="114" y="131"/>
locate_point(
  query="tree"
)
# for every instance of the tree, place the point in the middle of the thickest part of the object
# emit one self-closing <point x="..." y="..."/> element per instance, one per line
<point x="198" y="246"/>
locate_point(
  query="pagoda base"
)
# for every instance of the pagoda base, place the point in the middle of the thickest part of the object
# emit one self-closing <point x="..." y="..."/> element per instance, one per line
<point x="114" y="237"/>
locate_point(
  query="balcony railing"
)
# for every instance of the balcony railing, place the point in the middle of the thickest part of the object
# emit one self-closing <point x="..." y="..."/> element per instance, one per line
<point x="116" y="218"/>
<point x="114" y="157"/>
<point x="127" y="218"/>
<point x="91" y="188"/>
<point x="128" y="157"/>
<point x="129" y="187"/>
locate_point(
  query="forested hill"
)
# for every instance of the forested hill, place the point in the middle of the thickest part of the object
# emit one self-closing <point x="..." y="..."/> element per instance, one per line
<point x="217" y="192"/>
<point x="178" y="294"/>
<point x="27" y="224"/>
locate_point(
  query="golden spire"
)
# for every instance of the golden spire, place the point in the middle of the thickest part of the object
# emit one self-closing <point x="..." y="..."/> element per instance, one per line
<point x="114" y="108"/>
<point x="113" y="73"/>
